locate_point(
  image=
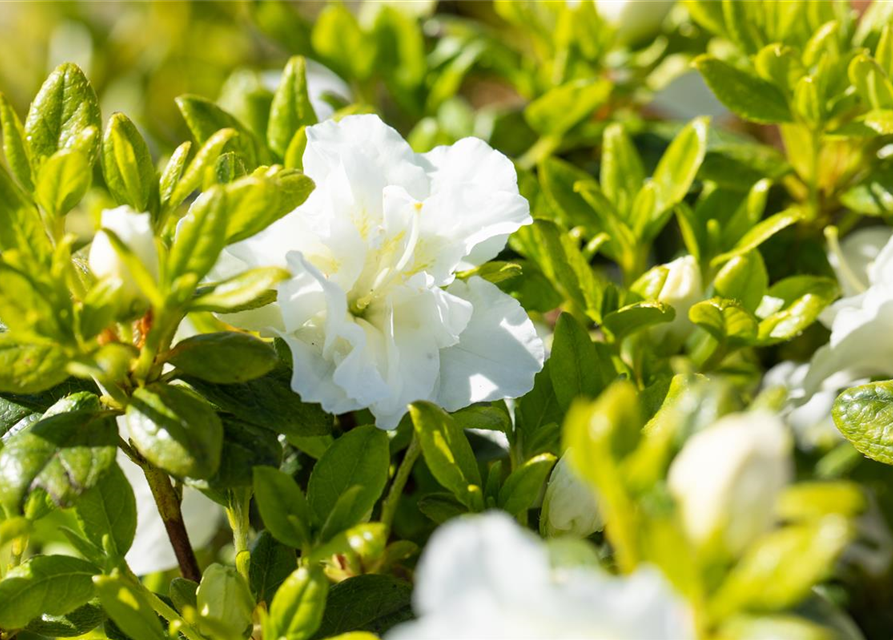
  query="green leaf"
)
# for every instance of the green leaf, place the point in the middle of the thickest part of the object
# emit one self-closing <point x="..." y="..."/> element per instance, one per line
<point x="30" y="368"/>
<point x="192" y="175"/>
<point x="864" y="415"/>
<point x="291" y="108"/>
<point x="577" y="369"/>
<point x="358" y="458"/>
<point x="297" y="609"/>
<point x="65" y="107"/>
<point x="65" y="454"/>
<point x="20" y="224"/>
<point x="127" y="164"/>
<point x="74" y="623"/>
<point x="743" y="278"/>
<point x="725" y="320"/>
<point x="201" y="237"/>
<point x="250" y="289"/>
<point x="559" y="109"/>
<point x="622" y="173"/>
<point x="282" y="507"/>
<point x="106" y="513"/>
<point x="758" y="234"/>
<point x="745" y="94"/>
<point x="680" y="163"/>
<point x="772" y="575"/>
<point x="245" y="446"/>
<point x="205" y="119"/>
<point x="53" y="585"/>
<point x="557" y="180"/>
<point x="271" y="563"/>
<point x="175" y="430"/>
<point x="128" y="608"/>
<point x="447" y="452"/>
<point x="182" y="593"/>
<point x="795" y="303"/>
<point x="268" y="402"/>
<point x="62" y="181"/>
<point x="441" y="506"/>
<point x="871" y="82"/>
<point x="373" y="603"/>
<point x="873" y="195"/>
<point x="226" y="357"/>
<point x="223" y="598"/>
<point x="637" y="316"/>
<point x="173" y="171"/>
<point x="18" y="155"/>
<point x="523" y="487"/>
<point x="255" y="202"/>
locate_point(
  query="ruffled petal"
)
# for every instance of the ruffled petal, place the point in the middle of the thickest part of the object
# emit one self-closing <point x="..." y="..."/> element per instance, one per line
<point x="498" y="354"/>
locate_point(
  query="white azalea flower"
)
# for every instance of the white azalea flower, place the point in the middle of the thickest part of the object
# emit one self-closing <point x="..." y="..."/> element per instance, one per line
<point x="862" y="321"/>
<point x="374" y="314"/>
<point x="678" y="284"/>
<point x="134" y="230"/>
<point x="726" y="479"/>
<point x="569" y="506"/>
<point x="485" y="577"/>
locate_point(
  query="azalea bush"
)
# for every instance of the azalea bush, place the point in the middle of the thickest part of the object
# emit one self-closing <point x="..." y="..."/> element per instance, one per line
<point x="484" y="320"/>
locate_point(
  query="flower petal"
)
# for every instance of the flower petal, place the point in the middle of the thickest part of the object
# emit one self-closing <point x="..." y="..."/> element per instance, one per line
<point x="498" y="353"/>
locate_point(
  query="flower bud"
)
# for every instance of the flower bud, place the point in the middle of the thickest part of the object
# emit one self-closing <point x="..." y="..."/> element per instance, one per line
<point x="678" y="284"/>
<point x="634" y="21"/>
<point x="569" y="507"/>
<point x="223" y="600"/>
<point x="727" y="477"/>
<point x="135" y="231"/>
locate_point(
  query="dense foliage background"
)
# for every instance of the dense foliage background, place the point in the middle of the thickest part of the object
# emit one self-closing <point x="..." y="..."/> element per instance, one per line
<point x="709" y="265"/>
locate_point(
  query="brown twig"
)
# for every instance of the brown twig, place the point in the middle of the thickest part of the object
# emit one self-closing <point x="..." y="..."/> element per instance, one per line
<point x="169" y="508"/>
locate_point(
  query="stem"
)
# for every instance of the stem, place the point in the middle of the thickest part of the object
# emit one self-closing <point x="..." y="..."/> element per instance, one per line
<point x="389" y="506"/>
<point x="168" y="504"/>
<point x="238" y="515"/>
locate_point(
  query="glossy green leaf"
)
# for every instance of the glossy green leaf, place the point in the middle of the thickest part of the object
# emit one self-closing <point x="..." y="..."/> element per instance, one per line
<point x="680" y="163"/>
<point x="127" y="165"/>
<point x="793" y="304"/>
<point x="747" y="95"/>
<point x="524" y="485"/>
<point x="128" y="608"/>
<point x="225" y="357"/>
<point x="201" y="237"/>
<point x="636" y="317"/>
<point x="175" y="430"/>
<point x="622" y="173"/>
<point x="727" y="321"/>
<point x="271" y="563"/>
<point x="758" y="234"/>
<point x="282" y="506"/>
<point x="223" y="600"/>
<point x="291" y="108"/>
<point x="62" y="181"/>
<point x="559" y="109"/>
<point x="576" y="370"/>
<point x="106" y="513"/>
<point x="250" y="289"/>
<point x="864" y="415"/>
<point x="297" y="608"/>
<point x="18" y="155"/>
<point x="30" y="368"/>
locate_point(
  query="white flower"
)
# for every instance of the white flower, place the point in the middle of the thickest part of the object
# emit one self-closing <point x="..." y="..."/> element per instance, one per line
<point x="485" y="577"/>
<point x="374" y="314"/>
<point x="321" y="83"/>
<point x="678" y="284"/>
<point x="569" y="506"/>
<point x="135" y="231"/>
<point x="727" y="477"/>
<point x="634" y="20"/>
<point x="862" y="322"/>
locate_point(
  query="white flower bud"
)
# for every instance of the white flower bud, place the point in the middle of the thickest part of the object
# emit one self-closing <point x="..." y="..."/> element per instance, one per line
<point x="634" y="21"/>
<point x="569" y="507"/>
<point x="727" y="477"/>
<point x="134" y="230"/>
<point x="682" y="288"/>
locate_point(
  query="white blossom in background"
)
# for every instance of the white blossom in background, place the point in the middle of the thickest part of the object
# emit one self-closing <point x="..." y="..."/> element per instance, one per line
<point x="682" y="288"/>
<point x="634" y="20"/>
<point x="861" y="323"/>
<point x="486" y="577"/>
<point x="569" y="506"/>
<point x="374" y="314"/>
<point x="727" y="477"/>
<point x="134" y="230"/>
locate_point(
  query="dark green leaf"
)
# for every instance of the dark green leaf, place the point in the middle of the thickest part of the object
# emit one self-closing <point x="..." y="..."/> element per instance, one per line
<point x="271" y="563"/>
<point x="371" y="603"/>
<point x="576" y="367"/>
<point x="225" y="357"/>
<point x="524" y="486"/>
<point x="107" y="513"/>
<point x="282" y="506"/>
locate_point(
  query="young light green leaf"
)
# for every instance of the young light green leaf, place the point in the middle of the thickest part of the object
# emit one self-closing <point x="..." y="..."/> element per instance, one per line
<point x="106" y="513"/>
<point x="64" y="454"/>
<point x="248" y="290"/>
<point x="297" y="608"/>
<point x="205" y="119"/>
<point x="223" y="601"/>
<point x="447" y="452"/>
<point x="18" y="155"/>
<point x="128" y="608"/>
<point x="193" y="175"/>
<point x="747" y="95"/>
<point x="175" y="430"/>
<point x="743" y="278"/>
<point x="53" y="585"/>
<point x="793" y="304"/>
<point x="127" y="165"/>
<point x="173" y="171"/>
<point x="255" y="202"/>
<point x="62" y="181"/>
<point x="282" y="507"/>
<point x="200" y="238"/>
<point x="871" y="82"/>
<point x="727" y="321"/>
<point x="622" y="173"/>
<point x="758" y="234"/>
<point x="291" y="108"/>
<point x="225" y="357"/>
<point x="559" y="109"/>
<point x="680" y="163"/>
<point x="523" y="487"/>
<point x="65" y="107"/>
<point x="636" y="317"/>
<point x="359" y="458"/>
